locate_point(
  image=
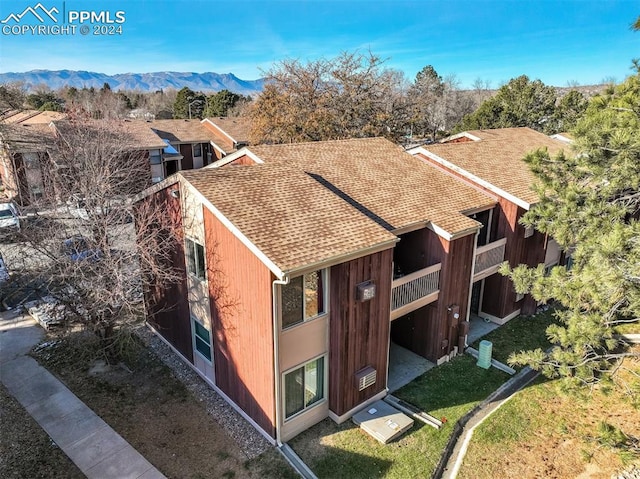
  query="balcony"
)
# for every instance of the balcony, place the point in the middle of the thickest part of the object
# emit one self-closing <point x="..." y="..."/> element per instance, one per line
<point x="414" y="290"/>
<point x="488" y="259"/>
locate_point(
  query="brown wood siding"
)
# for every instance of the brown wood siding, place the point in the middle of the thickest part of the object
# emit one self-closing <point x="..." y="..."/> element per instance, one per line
<point x="455" y="282"/>
<point x="462" y="139"/>
<point x="241" y="311"/>
<point x="22" y="190"/>
<point x="499" y="298"/>
<point x="242" y="161"/>
<point x="416" y="250"/>
<point x="431" y="331"/>
<point x="167" y="304"/>
<point x="216" y="155"/>
<point x="359" y="331"/>
<point x="187" y="152"/>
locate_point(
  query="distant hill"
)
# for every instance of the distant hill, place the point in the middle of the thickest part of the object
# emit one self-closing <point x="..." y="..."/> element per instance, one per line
<point x="205" y="82"/>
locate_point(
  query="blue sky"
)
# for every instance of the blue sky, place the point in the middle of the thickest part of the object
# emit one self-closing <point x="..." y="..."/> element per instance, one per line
<point x="494" y="40"/>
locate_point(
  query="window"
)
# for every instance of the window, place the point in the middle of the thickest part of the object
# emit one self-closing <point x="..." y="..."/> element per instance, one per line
<point x="303" y="298"/>
<point x="155" y="158"/>
<point x="31" y="161"/>
<point x="303" y="387"/>
<point x="202" y="339"/>
<point x="195" y="260"/>
<point x="197" y="150"/>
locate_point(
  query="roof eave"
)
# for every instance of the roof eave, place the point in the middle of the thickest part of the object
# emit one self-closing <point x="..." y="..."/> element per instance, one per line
<point x="343" y="258"/>
<point x="470" y="176"/>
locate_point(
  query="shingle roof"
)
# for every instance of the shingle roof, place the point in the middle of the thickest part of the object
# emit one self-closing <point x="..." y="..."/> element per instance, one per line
<point x="27" y="138"/>
<point x="288" y="215"/>
<point x="140" y="136"/>
<point x="498" y="157"/>
<point x="30" y="117"/>
<point x="311" y="202"/>
<point x="181" y="131"/>
<point x="381" y="179"/>
<point x="236" y="128"/>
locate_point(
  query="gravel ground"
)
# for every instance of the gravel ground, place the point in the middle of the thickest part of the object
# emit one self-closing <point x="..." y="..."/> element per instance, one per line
<point x="632" y="472"/>
<point x="244" y="434"/>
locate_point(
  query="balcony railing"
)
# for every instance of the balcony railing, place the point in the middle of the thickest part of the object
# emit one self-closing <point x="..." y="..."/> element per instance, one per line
<point x="414" y="290"/>
<point x="488" y="259"/>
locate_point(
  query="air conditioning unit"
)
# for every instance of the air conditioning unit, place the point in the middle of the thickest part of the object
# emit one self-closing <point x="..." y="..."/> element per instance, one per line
<point x="366" y="377"/>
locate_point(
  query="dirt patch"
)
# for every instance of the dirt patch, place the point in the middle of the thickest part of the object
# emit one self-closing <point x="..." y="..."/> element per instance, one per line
<point x="157" y="415"/>
<point x="26" y="451"/>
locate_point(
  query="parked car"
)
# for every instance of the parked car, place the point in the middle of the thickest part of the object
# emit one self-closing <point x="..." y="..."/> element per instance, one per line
<point x="79" y="248"/>
<point x="115" y="210"/>
<point x="9" y="218"/>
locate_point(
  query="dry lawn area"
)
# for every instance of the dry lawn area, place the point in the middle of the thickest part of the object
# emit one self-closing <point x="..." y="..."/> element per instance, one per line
<point x="544" y="433"/>
<point x="158" y="416"/>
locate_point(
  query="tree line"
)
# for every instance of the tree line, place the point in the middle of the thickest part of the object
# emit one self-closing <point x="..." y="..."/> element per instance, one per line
<point x="349" y="96"/>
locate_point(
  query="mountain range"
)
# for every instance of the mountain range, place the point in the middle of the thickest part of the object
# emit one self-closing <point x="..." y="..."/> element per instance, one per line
<point x="206" y="82"/>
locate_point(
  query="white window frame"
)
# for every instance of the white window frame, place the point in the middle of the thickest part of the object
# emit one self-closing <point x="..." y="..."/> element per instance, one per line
<point x="325" y="384"/>
<point x="193" y="150"/>
<point x="195" y="337"/>
<point x="325" y="295"/>
<point x="194" y="274"/>
<point x="155" y="154"/>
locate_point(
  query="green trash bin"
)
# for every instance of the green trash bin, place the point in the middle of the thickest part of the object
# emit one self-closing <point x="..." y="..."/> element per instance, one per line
<point x="484" y="354"/>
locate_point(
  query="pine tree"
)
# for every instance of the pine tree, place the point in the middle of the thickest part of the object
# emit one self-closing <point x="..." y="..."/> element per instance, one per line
<point x="590" y="204"/>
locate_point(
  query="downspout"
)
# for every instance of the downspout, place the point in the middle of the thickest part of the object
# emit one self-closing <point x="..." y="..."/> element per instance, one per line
<point x="276" y="351"/>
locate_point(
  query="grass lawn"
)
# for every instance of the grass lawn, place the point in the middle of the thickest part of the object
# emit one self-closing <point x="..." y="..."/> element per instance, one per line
<point x="448" y="391"/>
<point x="520" y="334"/>
<point x="543" y="432"/>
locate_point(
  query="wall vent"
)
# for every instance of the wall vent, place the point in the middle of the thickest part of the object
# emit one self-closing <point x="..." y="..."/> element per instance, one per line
<point x="366" y="291"/>
<point x="366" y="377"/>
<point x="528" y="232"/>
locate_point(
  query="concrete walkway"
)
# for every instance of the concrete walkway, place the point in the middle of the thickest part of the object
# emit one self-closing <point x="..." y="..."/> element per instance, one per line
<point x="97" y="450"/>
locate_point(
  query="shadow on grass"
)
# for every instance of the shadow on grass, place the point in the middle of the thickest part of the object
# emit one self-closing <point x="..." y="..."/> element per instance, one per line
<point x="345" y="451"/>
<point x="458" y="384"/>
<point x="523" y="333"/>
<point x="340" y="463"/>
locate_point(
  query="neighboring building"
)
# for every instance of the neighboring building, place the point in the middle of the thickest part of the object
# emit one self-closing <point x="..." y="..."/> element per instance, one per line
<point x="23" y="152"/>
<point x="27" y="138"/>
<point x="298" y="271"/>
<point x="30" y="117"/>
<point x="230" y="134"/>
<point x="493" y="161"/>
<point x="189" y="145"/>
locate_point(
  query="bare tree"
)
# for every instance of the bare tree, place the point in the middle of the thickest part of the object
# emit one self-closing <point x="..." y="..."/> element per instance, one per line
<point x="349" y="96"/>
<point x="81" y="249"/>
<point x="12" y="96"/>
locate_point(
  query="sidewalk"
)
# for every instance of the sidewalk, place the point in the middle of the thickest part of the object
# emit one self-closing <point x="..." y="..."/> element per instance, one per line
<point x="97" y="450"/>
